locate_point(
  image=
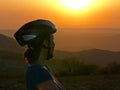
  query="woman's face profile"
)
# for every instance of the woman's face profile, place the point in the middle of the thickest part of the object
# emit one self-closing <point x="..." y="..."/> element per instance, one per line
<point x="49" y="45"/>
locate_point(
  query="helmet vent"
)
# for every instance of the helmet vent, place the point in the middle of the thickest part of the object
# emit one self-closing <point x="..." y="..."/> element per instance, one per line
<point x="28" y="37"/>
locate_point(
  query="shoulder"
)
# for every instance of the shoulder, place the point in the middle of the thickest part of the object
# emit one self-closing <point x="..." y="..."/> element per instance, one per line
<point x="37" y="69"/>
<point x="38" y="73"/>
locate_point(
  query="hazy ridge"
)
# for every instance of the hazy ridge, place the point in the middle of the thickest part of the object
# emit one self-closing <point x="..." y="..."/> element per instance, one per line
<point x="80" y="39"/>
<point x="9" y="50"/>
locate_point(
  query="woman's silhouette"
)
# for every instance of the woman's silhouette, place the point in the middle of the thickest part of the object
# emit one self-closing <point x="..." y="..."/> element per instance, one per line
<point x="38" y="36"/>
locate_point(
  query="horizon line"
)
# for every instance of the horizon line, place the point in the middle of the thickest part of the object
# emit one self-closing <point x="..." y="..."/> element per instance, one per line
<point x="77" y="28"/>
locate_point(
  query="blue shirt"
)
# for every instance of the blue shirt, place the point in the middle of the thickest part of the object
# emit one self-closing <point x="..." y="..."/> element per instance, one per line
<point x="35" y="75"/>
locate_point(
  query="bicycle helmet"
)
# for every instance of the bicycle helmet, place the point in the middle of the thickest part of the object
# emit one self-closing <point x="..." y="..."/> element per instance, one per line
<point x="34" y="30"/>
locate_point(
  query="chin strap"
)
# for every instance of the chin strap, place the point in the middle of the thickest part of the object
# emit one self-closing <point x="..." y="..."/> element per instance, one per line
<point x="49" y="44"/>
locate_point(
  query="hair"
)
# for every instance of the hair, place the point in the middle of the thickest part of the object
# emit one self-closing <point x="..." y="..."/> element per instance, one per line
<point x="31" y="55"/>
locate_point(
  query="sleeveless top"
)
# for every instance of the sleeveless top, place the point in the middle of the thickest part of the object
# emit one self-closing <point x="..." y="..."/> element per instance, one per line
<point x="37" y="74"/>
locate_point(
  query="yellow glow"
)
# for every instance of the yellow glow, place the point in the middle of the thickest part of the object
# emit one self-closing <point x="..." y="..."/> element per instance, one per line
<point x="78" y="8"/>
<point x="76" y="4"/>
<point x="71" y="6"/>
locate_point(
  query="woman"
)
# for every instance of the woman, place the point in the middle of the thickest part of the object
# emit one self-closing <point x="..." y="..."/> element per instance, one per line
<point x="38" y="36"/>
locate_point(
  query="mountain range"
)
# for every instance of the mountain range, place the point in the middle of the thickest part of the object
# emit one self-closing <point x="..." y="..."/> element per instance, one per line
<point x="68" y="39"/>
<point x="9" y="44"/>
<point x="9" y="48"/>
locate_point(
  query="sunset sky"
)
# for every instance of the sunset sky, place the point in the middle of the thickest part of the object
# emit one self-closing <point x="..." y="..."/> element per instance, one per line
<point x="64" y="13"/>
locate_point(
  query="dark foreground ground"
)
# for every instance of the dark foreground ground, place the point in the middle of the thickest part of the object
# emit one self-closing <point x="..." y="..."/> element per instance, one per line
<point x="92" y="82"/>
<point x="103" y="82"/>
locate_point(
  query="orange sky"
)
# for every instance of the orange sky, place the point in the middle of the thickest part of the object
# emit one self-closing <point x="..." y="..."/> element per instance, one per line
<point x="103" y="13"/>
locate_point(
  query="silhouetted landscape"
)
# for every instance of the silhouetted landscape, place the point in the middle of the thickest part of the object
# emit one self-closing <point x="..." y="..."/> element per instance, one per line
<point x="75" y="40"/>
<point x="94" y="64"/>
<point x="87" y="42"/>
<point x="8" y="46"/>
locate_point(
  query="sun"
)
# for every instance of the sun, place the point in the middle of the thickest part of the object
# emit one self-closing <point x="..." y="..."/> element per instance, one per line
<point x="76" y="4"/>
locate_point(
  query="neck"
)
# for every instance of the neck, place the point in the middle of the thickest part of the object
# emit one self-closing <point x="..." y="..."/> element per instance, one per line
<point x="39" y="61"/>
<point x="43" y="56"/>
<point x="33" y="63"/>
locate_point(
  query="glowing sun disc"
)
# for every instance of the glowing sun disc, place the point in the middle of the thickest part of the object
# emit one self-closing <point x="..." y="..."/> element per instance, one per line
<point x="76" y="4"/>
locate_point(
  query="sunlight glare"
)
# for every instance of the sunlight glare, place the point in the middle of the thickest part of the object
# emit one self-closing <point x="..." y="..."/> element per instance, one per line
<point x="76" y="4"/>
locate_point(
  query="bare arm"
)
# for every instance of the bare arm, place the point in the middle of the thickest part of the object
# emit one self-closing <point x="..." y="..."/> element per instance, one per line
<point x="48" y="85"/>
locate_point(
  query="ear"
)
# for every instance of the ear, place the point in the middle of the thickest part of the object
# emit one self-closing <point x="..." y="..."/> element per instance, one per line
<point x="26" y="60"/>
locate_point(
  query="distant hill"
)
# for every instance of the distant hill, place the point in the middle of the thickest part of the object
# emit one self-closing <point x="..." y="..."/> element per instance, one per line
<point x="68" y="39"/>
<point x="9" y="44"/>
<point x="91" y="56"/>
<point x="77" y="40"/>
<point x="97" y="56"/>
<point x="111" y="42"/>
<point x="9" y="49"/>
